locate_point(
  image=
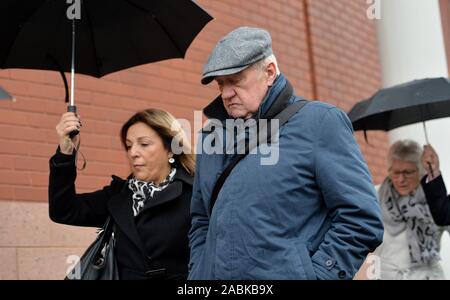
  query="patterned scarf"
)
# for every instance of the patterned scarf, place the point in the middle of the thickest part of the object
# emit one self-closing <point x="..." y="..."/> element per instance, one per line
<point x="413" y="214"/>
<point x="144" y="191"/>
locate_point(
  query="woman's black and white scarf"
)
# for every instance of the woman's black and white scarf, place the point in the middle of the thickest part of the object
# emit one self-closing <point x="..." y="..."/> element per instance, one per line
<point x="413" y="214"/>
<point x="144" y="191"/>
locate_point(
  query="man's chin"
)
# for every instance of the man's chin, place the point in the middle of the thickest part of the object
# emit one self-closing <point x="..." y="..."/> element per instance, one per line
<point x="235" y="115"/>
<point x="239" y="115"/>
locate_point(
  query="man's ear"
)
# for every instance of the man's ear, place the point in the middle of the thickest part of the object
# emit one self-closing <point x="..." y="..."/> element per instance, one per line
<point x="271" y="71"/>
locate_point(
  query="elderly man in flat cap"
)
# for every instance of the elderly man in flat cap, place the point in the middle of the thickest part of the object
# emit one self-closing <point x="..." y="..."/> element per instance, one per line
<point x="310" y="213"/>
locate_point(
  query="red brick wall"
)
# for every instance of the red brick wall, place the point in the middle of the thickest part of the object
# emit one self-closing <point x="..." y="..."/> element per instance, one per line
<point x="334" y="59"/>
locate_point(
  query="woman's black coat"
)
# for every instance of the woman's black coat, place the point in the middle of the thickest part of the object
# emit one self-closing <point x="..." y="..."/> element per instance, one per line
<point x="437" y="199"/>
<point x="152" y="245"/>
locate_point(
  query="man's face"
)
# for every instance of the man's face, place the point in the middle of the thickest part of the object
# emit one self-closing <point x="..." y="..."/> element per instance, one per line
<point x="243" y="92"/>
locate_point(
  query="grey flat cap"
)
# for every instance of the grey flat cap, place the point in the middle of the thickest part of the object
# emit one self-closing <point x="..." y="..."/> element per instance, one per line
<point x="237" y="51"/>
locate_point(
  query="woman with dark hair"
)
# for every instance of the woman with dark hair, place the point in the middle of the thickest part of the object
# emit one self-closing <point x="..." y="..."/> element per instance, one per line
<point x="150" y="209"/>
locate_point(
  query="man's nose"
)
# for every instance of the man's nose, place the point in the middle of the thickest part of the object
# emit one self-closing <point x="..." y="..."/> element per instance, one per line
<point x="227" y="92"/>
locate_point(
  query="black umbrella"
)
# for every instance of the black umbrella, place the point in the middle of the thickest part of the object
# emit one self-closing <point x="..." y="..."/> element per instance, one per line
<point x="4" y="95"/>
<point x="111" y="35"/>
<point x="404" y="104"/>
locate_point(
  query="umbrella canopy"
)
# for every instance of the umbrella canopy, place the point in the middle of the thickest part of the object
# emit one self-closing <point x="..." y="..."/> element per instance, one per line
<point x="4" y="95"/>
<point x="404" y="104"/>
<point x="111" y="35"/>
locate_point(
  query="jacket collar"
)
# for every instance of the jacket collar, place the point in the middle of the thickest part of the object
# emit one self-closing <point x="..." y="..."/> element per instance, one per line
<point x="278" y="97"/>
<point x="283" y="99"/>
<point x="183" y="175"/>
<point x="172" y="191"/>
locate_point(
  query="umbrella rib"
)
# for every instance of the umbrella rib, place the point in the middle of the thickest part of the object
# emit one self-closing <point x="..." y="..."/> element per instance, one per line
<point x="168" y="35"/>
<point x="160" y="25"/>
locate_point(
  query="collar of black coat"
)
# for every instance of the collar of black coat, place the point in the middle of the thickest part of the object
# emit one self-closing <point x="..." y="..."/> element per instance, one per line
<point x="216" y="110"/>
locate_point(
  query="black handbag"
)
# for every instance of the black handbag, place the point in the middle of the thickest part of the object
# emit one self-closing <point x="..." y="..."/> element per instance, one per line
<point x="99" y="261"/>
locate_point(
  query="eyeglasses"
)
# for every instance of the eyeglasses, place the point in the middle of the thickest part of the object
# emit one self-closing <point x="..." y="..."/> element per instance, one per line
<point x="405" y="173"/>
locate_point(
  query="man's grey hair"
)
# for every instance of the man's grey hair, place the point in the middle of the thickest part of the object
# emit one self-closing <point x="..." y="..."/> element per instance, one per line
<point x="406" y="150"/>
<point x="269" y="59"/>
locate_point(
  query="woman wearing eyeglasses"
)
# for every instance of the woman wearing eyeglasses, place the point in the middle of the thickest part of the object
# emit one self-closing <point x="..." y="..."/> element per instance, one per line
<point x="411" y="242"/>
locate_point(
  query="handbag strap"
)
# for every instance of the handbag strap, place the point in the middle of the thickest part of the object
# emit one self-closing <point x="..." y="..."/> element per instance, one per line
<point x="108" y="229"/>
<point x="283" y="117"/>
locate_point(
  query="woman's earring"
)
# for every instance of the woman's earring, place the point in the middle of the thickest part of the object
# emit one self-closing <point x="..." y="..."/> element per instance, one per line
<point x="171" y="160"/>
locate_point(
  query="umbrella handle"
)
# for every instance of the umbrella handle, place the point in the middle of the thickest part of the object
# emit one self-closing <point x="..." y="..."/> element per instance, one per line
<point x="426" y="140"/>
<point x="72" y="108"/>
<point x="431" y="169"/>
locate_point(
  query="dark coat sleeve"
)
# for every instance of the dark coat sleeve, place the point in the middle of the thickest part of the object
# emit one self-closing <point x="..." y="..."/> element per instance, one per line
<point x="437" y="199"/>
<point x="68" y="207"/>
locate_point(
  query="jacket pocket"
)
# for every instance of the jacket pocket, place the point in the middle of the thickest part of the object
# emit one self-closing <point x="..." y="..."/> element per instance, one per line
<point x="306" y="261"/>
